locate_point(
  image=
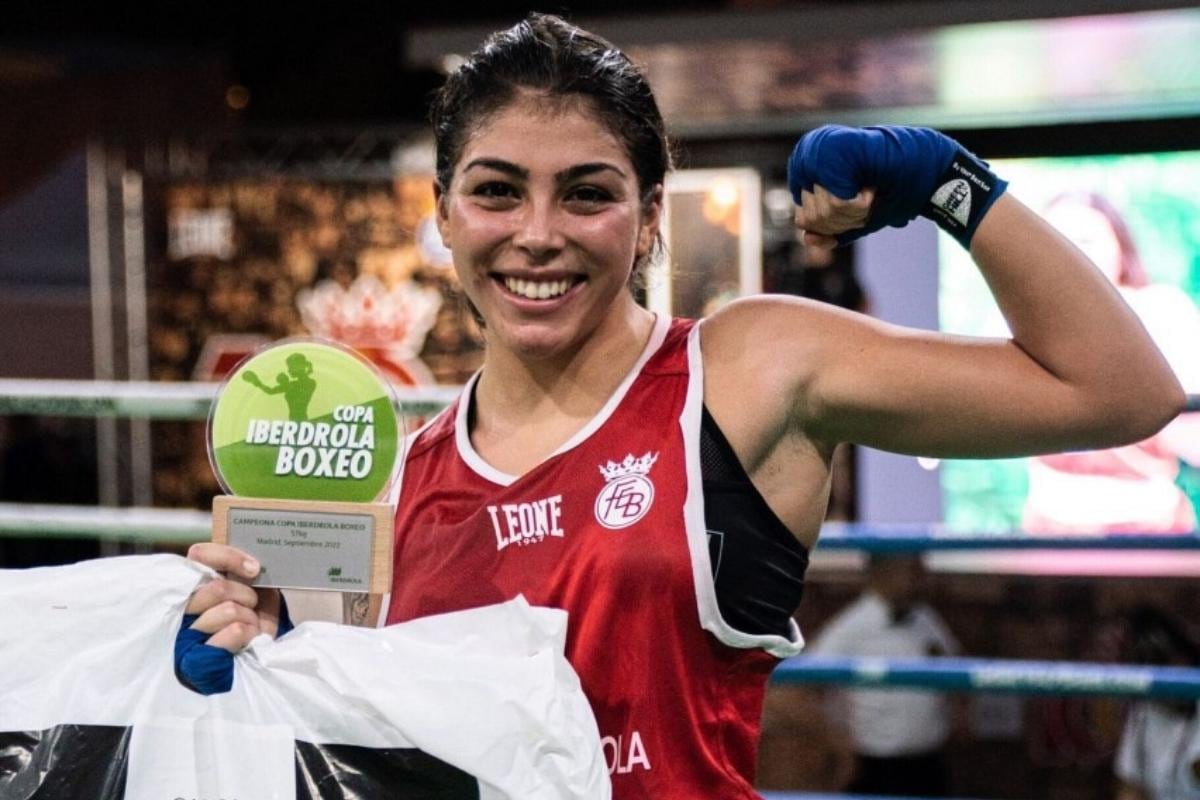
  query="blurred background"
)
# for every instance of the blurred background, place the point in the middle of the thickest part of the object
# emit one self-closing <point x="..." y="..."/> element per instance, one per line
<point x="182" y="184"/>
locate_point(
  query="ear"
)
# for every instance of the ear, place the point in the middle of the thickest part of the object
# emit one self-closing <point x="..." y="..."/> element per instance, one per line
<point x="442" y="213"/>
<point x="651" y="222"/>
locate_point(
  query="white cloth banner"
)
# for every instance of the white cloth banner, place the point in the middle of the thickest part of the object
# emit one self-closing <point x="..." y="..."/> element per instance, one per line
<point x="487" y="691"/>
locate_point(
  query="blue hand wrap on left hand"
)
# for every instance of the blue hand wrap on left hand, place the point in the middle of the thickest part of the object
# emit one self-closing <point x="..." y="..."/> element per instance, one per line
<point x="914" y="171"/>
<point x="207" y="669"/>
<point x="285" y="619"/>
<point x="200" y="666"/>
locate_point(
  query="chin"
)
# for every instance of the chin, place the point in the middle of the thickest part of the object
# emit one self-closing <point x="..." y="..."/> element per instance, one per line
<point x="545" y="337"/>
<point x="536" y="342"/>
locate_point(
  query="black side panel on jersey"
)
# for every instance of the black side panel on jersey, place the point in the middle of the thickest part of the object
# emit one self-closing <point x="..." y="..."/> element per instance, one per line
<point x="758" y="566"/>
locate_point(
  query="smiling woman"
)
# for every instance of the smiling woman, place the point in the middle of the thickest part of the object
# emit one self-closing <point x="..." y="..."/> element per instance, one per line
<point x="663" y="480"/>
<point x="546" y="221"/>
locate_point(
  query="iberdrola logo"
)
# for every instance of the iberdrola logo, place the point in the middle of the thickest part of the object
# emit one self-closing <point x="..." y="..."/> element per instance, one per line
<point x="305" y="419"/>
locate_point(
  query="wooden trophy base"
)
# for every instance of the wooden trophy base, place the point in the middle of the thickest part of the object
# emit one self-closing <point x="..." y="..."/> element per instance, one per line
<point x="309" y="544"/>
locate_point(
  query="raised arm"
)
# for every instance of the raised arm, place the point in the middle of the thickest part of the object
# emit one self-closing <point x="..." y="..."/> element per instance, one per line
<point x="1079" y="371"/>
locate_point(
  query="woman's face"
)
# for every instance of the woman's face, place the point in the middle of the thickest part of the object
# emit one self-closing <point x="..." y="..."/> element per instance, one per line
<point x="1091" y="232"/>
<point x="544" y="220"/>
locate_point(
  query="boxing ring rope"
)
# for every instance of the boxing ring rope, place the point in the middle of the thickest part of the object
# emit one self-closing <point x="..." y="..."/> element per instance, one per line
<point x="160" y="400"/>
<point x="184" y="526"/>
<point x="166" y="526"/>
<point x="191" y="401"/>
<point x="180" y="401"/>
<point x="992" y="675"/>
<point x="827" y="796"/>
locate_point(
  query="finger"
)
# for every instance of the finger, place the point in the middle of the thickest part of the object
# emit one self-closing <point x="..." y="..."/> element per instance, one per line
<point x="830" y="215"/>
<point x="224" y="558"/>
<point x="223" y="615"/>
<point x="819" y="227"/>
<point x="820" y="212"/>
<point x="853" y="213"/>
<point x="864" y="199"/>
<point x="820" y="241"/>
<point x="807" y="214"/>
<point x="267" y="610"/>
<point x="218" y="591"/>
<point x="843" y="211"/>
<point x="235" y="637"/>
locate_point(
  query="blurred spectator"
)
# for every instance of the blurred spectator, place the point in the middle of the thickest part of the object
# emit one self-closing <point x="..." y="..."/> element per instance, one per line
<point x="897" y="735"/>
<point x="1159" y="754"/>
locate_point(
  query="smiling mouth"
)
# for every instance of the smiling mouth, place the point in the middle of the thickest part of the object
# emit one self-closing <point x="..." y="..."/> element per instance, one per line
<point x="539" y="290"/>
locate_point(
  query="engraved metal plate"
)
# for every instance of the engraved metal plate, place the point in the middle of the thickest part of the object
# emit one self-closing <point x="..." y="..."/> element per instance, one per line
<point x="306" y="549"/>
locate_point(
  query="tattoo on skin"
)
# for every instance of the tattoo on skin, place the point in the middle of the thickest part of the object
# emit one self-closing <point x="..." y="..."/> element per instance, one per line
<point x="355" y="607"/>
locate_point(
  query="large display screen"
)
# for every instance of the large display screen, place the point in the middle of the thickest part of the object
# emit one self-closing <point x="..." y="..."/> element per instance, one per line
<point x="1138" y="218"/>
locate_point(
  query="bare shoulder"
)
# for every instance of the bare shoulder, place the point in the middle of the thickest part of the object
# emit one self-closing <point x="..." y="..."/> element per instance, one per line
<point x="777" y="342"/>
<point x="765" y="309"/>
<point x="768" y="347"/>
<point x="748" y="326"/>
<point x="757" y="358"/>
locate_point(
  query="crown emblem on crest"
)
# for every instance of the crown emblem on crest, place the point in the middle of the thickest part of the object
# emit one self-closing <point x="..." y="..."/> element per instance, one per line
<point x="628" y="466"/>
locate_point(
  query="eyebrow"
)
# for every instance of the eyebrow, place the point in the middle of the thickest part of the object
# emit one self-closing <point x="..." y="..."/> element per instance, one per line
<point x="562" y="176"/>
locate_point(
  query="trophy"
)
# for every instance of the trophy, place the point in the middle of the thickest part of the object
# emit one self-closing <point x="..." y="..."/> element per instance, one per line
<point x="305" y="441"/>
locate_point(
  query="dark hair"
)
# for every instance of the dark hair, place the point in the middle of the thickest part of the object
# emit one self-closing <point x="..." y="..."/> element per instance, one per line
<point x="1130" y="272"/>
<point x="546" y="54"/>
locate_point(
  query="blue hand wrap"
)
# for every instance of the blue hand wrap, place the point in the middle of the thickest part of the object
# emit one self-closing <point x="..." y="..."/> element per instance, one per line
<point x="207" y="669"/>
<point x="914" y="171"/>
<point x="285" y="619"/>
<point x="199" y="666"/>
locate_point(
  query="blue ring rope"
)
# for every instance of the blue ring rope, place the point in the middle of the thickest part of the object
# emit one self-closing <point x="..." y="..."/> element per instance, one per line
<point x="991" y="675"/>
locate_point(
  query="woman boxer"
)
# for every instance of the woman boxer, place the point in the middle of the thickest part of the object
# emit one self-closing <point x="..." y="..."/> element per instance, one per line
<point x="664" y="480"/>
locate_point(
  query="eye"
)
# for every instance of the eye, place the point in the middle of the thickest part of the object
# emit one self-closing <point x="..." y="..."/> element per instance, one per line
<point x="494" y="190"/>
<point x="589" y="195"/>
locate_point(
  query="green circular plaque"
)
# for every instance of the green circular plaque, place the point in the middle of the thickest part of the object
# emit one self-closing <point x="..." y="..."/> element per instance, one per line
<point x="305" y="419"/>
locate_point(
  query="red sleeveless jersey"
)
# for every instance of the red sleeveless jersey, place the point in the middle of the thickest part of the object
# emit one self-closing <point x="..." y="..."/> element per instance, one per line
<point x="611" y="529"/>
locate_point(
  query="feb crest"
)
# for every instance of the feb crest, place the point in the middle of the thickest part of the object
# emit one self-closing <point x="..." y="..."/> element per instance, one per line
<point x="628" y="492"/>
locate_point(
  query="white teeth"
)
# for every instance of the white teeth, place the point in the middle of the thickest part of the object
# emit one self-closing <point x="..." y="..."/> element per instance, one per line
<point x="537" y="290"/>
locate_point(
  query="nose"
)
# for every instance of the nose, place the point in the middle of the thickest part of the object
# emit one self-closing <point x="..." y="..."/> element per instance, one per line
<point x="538" y="233"/>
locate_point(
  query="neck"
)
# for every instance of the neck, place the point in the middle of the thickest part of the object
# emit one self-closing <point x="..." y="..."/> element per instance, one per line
<point x="576" y="381"/>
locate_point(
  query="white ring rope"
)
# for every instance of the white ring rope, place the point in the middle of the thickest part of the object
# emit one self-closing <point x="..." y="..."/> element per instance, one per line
<point x="183" y="400"/>
<point x="157" y="400"/>
<point x="151" y="525"/>
<point x="184" y="526"/>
